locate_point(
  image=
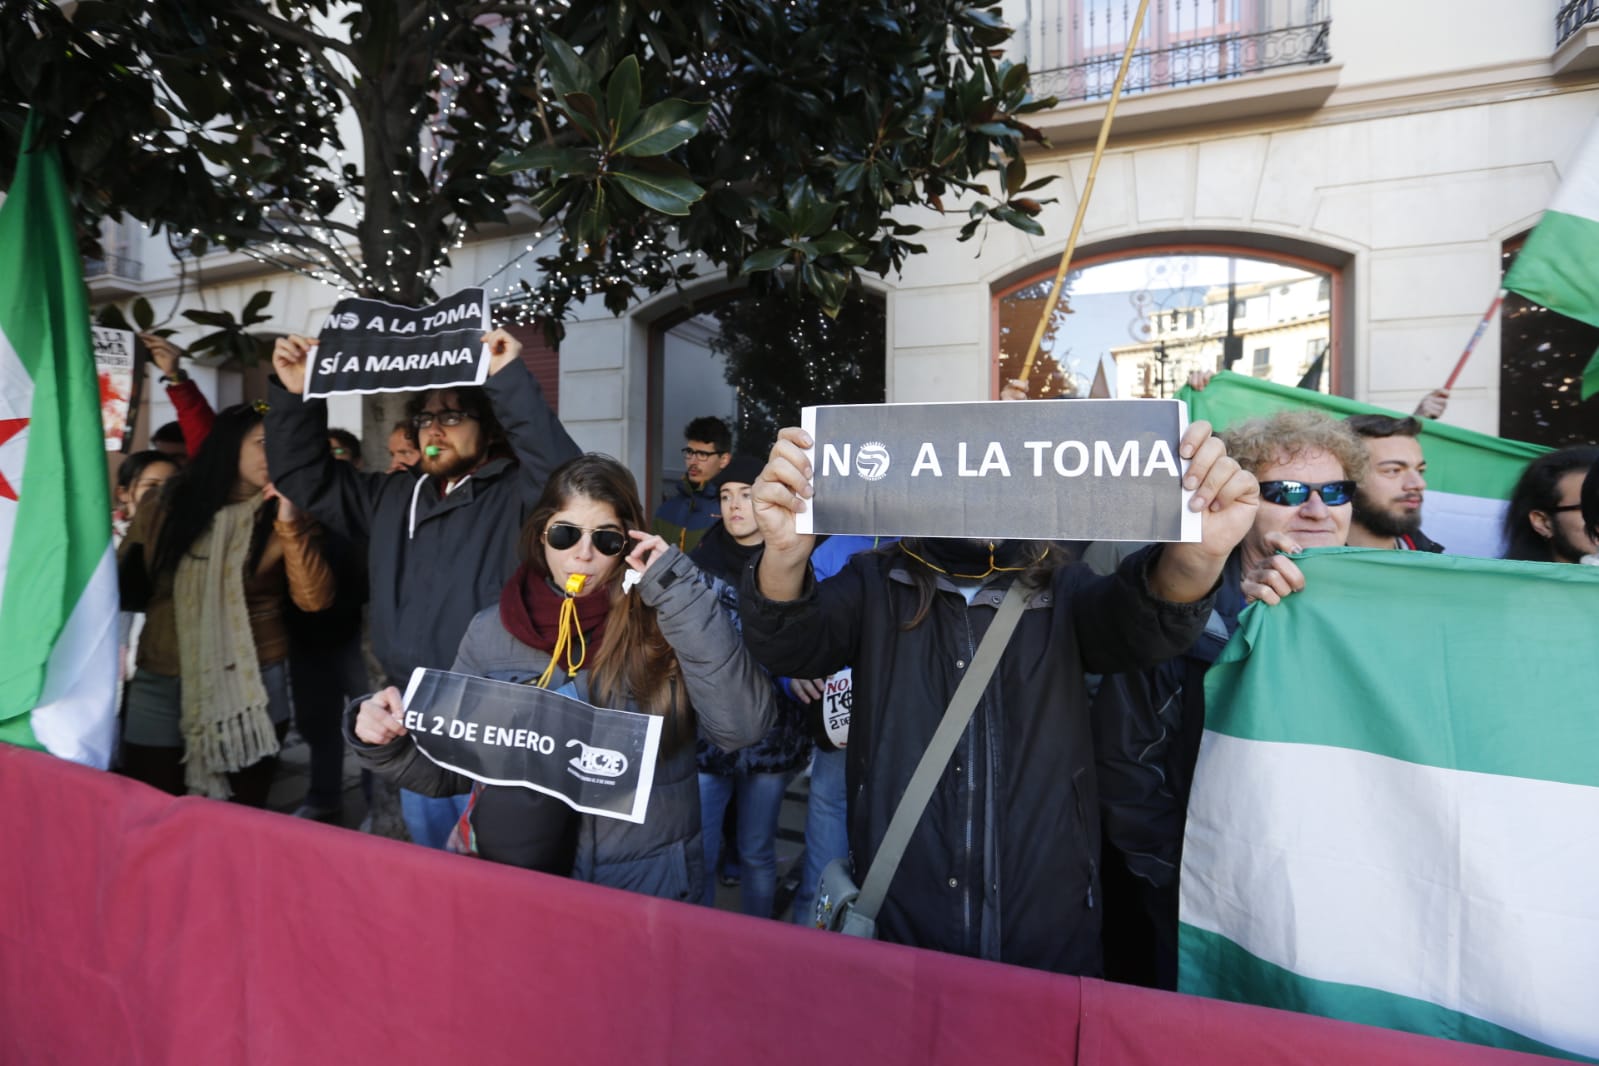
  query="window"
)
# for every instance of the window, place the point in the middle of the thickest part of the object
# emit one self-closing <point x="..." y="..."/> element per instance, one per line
<point x="1262" y="366"/>
<point x="1157" y="316"/>
<point x="1074" y="46"/>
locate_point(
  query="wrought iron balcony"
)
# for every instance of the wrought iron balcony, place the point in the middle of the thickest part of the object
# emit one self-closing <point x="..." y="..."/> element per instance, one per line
<point x="110" y="264"/>
<point x="1573" y="16"/>
<point x="1076" y="46"/>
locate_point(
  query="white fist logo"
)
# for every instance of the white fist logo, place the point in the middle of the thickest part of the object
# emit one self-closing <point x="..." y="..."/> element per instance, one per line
<point x="871" y="462"/>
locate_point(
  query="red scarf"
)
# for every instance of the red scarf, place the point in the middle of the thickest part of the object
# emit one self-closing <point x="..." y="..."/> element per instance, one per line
<point x="530" y="610"/>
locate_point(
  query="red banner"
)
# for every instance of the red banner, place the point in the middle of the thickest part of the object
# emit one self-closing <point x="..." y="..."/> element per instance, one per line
<point x="138" y="928"/>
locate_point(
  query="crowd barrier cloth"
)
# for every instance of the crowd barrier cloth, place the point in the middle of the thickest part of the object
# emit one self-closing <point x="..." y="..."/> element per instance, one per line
<point x="142" y="929"/>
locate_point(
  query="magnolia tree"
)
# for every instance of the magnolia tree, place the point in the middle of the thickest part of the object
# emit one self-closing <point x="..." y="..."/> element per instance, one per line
<point x="358" y="143"/>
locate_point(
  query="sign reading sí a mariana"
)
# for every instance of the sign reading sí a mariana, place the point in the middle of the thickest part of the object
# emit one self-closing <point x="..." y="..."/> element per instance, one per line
<point x="372" y="346"/>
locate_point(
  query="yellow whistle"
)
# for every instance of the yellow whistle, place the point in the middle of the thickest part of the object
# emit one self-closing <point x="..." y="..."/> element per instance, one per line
<point x="575" y="583"/>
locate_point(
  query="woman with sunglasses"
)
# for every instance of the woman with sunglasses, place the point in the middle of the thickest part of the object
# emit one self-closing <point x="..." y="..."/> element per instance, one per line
<point x="666" y="648"/>
<point x="214" y="561"/>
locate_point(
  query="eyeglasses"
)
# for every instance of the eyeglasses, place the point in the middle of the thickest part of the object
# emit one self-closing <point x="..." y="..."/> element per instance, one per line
<point x="1565" y="507"/>
<point x="562" y="536"/>
<point x="695" y="453"/>
<point x="424" y="419"/>
<point x="1294" y="493"/>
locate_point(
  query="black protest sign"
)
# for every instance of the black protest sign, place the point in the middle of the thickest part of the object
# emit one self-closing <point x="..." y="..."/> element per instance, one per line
<point x="598" y="761"/>
<point x="372" y="346"/>
<point x="1034" y="470"/>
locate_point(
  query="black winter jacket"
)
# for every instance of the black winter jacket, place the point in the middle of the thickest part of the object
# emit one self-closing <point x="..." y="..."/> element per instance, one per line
<point x="1004" y="862"/>
<point x="432" y="561"/>
<point x="787" y="745"/>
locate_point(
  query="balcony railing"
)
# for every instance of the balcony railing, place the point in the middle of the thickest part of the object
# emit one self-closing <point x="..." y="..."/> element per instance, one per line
<point x="1573" y="17"/>
<point x="1077" y="47"/>
<point x="112" y="265"/>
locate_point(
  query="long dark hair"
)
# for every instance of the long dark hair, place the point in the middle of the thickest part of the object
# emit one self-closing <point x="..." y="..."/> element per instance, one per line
<point x="1539" y="490"/>
<point x="191" y="500"/>
<point x="634" y="658"/>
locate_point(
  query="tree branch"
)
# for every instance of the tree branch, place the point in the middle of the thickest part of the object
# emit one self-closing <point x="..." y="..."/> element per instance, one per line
<point x="316" y="45"/>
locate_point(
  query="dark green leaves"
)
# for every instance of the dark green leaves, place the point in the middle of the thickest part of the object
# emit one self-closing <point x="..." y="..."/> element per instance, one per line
<point x="661" y="128"/>
<point x="663" y="193"/>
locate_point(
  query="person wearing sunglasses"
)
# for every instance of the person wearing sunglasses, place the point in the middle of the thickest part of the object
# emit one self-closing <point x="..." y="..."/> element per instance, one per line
<point x="691" y="506"/>
<point x="1148" y="724"/>
<point x="441" y="535"/>
<point x="1543" y="520"/>
<point x="667" y="647"/>
<point x="1308" y="465"/>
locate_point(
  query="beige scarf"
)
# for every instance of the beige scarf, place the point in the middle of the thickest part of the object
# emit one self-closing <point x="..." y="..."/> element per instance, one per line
<point x="225" y="722"/>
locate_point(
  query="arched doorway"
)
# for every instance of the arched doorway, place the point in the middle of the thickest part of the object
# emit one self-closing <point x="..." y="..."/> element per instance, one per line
<point x="755" y="360"/>
<point x="1136" y="323"/>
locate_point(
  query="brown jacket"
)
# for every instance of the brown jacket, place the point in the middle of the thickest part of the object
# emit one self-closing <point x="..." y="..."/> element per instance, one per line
<point x="291" y="563"/>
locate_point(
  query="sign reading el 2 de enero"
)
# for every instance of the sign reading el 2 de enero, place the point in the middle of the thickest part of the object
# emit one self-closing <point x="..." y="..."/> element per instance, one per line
<point x="596" y="760"/>
<point x="1034" y="470"/>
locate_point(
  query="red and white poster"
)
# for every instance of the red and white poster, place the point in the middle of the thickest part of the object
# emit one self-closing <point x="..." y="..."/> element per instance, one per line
<point x="113" y="363"/>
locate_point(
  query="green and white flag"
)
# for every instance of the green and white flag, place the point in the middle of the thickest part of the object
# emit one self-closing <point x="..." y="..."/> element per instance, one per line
<point x="1469" y="475"/>
<point x="1556" y="267"/>
<point x="1395" y="813"/>
<point x="58" y="587"/>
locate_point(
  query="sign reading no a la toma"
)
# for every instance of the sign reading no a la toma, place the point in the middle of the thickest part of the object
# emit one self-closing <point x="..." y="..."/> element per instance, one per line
<point x="594" y="759"/>
<point x="372" y="346"/>
<point x="1033" y="470"/>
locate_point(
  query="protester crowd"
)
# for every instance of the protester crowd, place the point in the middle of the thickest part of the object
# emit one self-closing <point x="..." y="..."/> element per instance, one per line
<point x="258" y="555"/>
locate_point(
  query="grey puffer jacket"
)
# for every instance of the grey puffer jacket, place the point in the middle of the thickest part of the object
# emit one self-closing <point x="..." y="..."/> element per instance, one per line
<point x="732" y="700"/>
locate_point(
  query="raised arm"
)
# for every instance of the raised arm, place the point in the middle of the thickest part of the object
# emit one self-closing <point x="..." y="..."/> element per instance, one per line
<point x="540" y="441"/>
<point x="195" y="416"/>
<point x="303" y="469"/>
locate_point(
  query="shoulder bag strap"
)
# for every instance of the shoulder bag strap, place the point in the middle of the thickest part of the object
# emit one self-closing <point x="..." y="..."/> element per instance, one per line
<point x="939" y="750"/>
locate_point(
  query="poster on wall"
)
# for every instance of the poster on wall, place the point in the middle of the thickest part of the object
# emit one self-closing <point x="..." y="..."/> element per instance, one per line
<point x="371" y="346"/>
<point x="1038" y="470"/>
<point x="113" y="364"/>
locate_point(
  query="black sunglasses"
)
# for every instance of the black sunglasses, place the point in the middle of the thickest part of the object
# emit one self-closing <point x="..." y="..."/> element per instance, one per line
<point x="562" y="536"/>
<point x="1294" y="493"/>
<point x="444" y="418"/>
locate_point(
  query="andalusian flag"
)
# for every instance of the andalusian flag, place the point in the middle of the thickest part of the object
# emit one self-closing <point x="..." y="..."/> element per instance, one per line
<point x="1469" y="475"/>
<point x="58" y="588"/>
<point x="1556" y="267"/>
<point x="1395" y="814"/>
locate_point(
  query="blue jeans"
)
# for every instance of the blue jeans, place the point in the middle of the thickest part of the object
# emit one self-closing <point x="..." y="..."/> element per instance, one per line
<point x="760" y="800"/>
<point x="429" y="819"/>
<point x="826" y="829"/>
